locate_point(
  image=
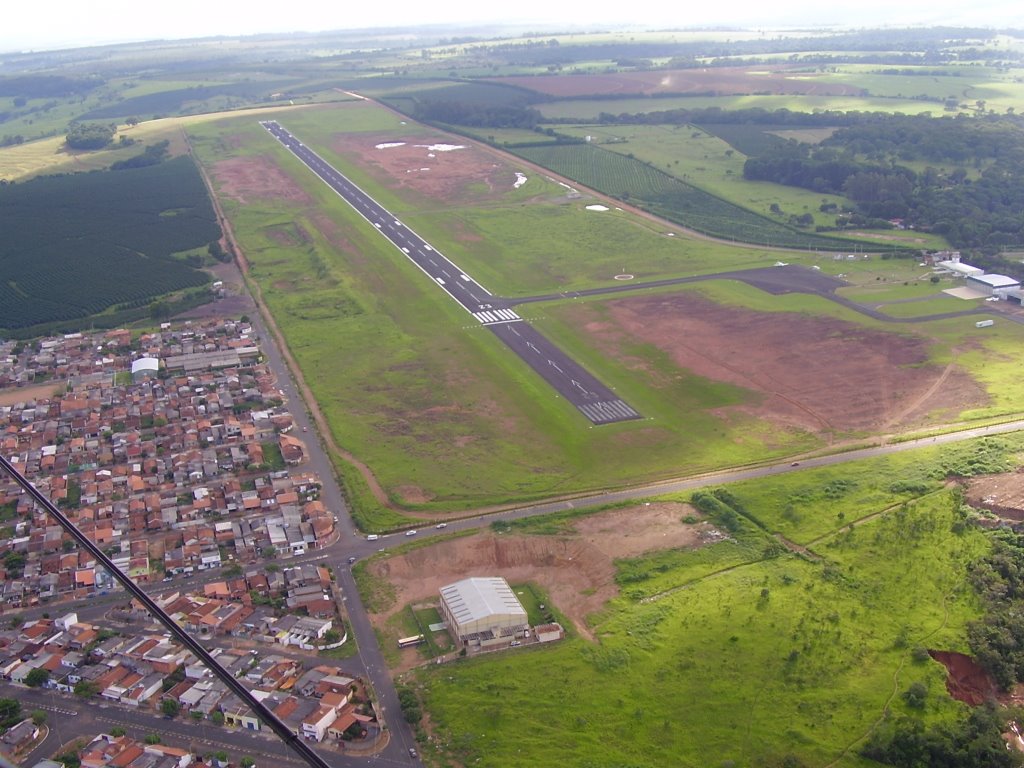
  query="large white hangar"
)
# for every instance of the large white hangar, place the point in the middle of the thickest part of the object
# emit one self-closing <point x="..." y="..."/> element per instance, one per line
<point x="482" y="611"/>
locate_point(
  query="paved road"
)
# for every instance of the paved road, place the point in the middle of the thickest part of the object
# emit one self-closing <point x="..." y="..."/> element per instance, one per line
<point x="598" y="403"/>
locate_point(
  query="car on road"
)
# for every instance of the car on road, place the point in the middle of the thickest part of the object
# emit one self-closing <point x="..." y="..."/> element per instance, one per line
<point x="410" y="533"/>
<point x="412" y="753"/>
<point x="442" y="525"/>
<point x="795" y="464"/>
<point x="352" y="559"/>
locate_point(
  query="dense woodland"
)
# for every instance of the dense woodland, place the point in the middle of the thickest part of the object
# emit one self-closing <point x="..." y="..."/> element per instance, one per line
<point x="971" y="189"/>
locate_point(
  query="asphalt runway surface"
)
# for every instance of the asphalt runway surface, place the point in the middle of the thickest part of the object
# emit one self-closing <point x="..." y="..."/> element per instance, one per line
<point x="597" y="402"/>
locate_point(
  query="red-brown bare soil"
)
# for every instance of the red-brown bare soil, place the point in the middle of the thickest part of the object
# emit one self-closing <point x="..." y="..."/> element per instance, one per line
<point x="1002" y="494"/>
<point x="469" y="174"/>
<point x="721" y="81"/>
<point x="255" y="178"/>
<point x="814" y="373"/>
<point x="966" y="681"/>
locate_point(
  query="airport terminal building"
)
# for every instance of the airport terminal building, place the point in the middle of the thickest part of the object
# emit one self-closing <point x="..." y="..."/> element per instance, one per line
<point x="482" y="612"/>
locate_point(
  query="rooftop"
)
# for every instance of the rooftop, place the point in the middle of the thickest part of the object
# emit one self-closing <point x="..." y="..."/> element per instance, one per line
<point x="477" y="598"/>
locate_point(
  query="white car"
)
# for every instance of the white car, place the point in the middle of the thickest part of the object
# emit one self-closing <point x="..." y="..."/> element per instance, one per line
<point x="442" y="525"/>
<point x="410" y="533"/>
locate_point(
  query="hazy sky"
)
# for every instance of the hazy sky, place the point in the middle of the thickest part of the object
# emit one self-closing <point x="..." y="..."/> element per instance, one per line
<point x="63" y="23"/>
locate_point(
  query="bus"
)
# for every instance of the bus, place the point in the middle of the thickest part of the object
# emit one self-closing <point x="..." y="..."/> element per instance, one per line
<point x="409" y="642"/>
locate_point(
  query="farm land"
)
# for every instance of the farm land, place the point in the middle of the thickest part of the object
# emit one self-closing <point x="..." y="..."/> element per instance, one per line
<point x="162" y="212"/>
<point x="702" y="649"/>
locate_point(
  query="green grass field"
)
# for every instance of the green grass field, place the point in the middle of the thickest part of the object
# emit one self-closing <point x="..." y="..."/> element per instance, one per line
<point x="724" y="656"/>
<point x="445" y="416"/>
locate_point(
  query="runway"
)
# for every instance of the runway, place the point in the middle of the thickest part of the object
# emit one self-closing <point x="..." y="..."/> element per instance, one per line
<point x="594" y="400"/>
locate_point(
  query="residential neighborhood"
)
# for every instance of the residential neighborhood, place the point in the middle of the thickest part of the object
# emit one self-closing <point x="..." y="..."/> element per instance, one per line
<point x="179" y="467"/>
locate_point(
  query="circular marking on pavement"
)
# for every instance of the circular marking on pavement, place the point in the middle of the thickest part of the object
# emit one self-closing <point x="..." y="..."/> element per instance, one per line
<point x="623" y="277"/>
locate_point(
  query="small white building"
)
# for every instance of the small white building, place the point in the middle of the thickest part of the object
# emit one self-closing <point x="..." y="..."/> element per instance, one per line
<point x="961" y="268"/>
<point x="145" y="368"/>
<point x="993" y="285"/>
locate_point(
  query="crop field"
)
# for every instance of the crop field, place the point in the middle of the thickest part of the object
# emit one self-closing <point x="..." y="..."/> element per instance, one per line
<point x="753" y="656"/>
<point x="589" y="109"/>
<point x="683" y="203"/>
<point x="51" y="156"/>
<point x="718" y="80"/>
<point x="125" y="223"/>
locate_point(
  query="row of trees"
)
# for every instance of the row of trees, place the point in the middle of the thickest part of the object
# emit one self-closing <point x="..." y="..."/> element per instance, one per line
<point x="997" y="640"/>
<point x="477" y="114"/>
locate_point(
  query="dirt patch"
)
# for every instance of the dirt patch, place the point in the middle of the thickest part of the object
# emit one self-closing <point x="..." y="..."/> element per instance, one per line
<point x="1001" y="494"/>
<point x="813" y="373"/>
<point x="427" y="166"/>
<point x="576" y="569"/>
<point x="966" y="681"/>
<point x="719" y="81"/>
<point x="15" y="395"/>
<point x="412" y="494"/>
<point x="255" y="178"/>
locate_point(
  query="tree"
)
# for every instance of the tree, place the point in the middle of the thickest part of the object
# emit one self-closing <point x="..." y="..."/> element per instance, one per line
<point x="152" y="738"/>
<point x="10" y="712"/>
<point x="217" y="717"/>
<point x="916" y="695"/>
<point x="170" y="707"/>
<point x="89" y="136"/>
<point x="38" y="717"/>
<point x="247" y="762"/>
<point x="37" y="678"/>
<point x="117" y="731"/>
<point x="331" y="636"/>
<point x="86" y="689"/>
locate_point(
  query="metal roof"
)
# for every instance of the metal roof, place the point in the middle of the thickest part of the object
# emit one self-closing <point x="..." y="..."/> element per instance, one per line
<point x="478" y="598"/>
<point x="996" y="281"/>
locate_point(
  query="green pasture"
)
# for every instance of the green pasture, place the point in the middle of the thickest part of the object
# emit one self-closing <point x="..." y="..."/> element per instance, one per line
<point x="890" y="291"/>
<point x="739" y="658"/>
<point x="545" y="248"/>
<point x="927" y="307"/>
